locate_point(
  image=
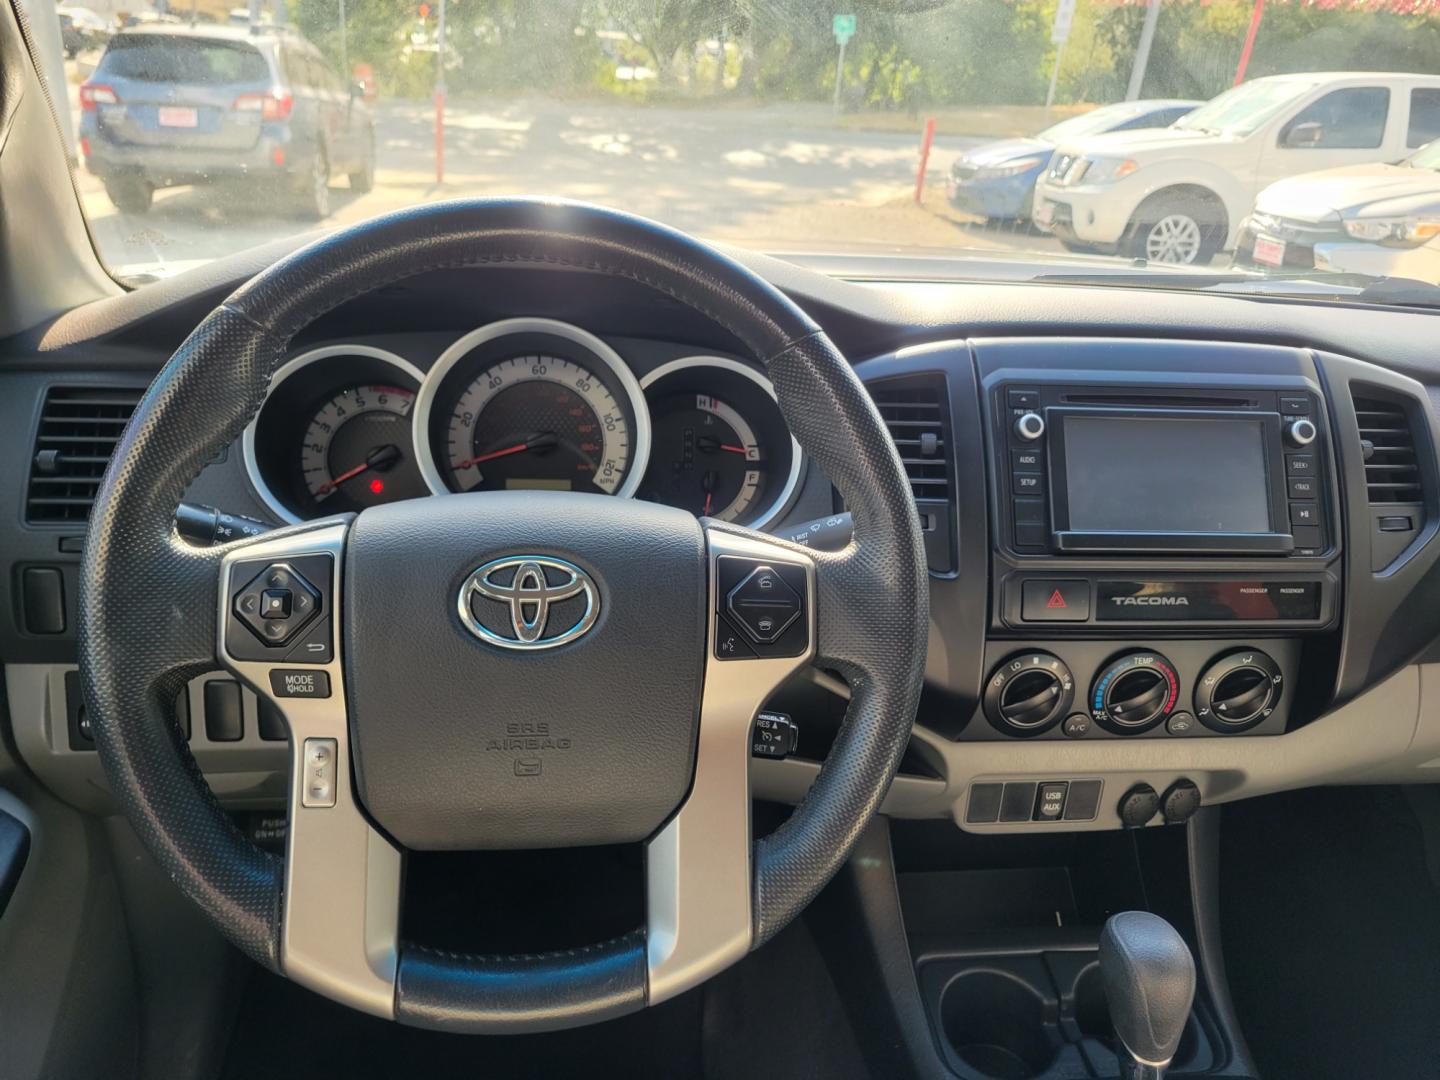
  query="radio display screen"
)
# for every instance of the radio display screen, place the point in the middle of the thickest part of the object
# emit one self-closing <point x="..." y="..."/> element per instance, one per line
<point x="1131" y="474"/>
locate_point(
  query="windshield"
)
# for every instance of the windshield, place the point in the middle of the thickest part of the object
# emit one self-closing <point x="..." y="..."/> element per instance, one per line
<point x="1427" y="158"/>
<point x="1091" y="123"/>
<point x="159" y="59"/>
<point x="1243" y="109"/>
<point x="853" y="136"/>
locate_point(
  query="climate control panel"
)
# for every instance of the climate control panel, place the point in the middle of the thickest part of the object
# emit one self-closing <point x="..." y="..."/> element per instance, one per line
<point x="1118" y="690"/>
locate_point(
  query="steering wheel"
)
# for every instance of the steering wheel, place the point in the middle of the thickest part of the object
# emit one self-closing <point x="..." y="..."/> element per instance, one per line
<point x="499" y="669"/>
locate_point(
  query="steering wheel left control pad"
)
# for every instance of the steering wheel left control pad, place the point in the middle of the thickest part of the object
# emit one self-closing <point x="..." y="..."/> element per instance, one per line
<point x="280" y="611"/>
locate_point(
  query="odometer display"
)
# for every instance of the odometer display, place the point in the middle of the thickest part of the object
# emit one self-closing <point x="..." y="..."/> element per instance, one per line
<point x="538" y="421"/>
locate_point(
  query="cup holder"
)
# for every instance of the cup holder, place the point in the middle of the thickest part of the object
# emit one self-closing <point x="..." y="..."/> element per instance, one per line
<point x="996" y="1024"/>
<point x="1092" y="1014"/>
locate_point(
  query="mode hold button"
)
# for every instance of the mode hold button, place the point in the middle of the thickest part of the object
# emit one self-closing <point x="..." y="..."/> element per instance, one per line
<point x="300" y="683"/>
<point x="1048" y="600"/>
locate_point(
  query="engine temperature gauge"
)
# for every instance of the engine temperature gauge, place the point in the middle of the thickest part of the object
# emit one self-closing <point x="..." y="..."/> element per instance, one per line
<point x="720" y="446"/>
<point x="706" y="457"/>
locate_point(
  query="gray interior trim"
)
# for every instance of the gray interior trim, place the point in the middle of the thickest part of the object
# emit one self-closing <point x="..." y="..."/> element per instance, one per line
<point x="725" y="363"/>
<point x="341" y="917"/>
<point x="1391" y="734"/>
<point x="248" y="773"/>
<point x="697" y="867"/>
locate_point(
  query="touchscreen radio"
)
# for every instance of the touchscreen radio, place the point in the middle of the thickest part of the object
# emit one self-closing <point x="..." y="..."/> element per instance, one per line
<point x="1164" y="472"/>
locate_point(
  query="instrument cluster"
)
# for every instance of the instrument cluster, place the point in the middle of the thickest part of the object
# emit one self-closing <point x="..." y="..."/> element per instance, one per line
<point x="528" y="404"/>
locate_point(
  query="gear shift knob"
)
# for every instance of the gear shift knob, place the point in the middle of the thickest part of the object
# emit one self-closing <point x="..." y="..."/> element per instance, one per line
<point x="1149" y="978"/>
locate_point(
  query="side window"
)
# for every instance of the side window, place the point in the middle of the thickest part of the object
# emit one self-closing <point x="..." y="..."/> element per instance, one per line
<point x="323" y="76"/>
<point x="296" y="70"/>
<point x="1349" y="119"/>
<point x="1424" y="117"/>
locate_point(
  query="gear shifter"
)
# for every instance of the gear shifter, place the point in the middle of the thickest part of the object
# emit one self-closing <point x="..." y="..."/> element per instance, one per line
<point x="1149" y="979"/>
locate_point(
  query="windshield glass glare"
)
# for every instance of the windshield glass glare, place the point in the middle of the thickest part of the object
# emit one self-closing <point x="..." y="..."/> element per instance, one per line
<point x="895" y="128"/>
<point x="1243" y="109"/>
<point x="1090" y="123"/>
<point x="1428" y="158"/>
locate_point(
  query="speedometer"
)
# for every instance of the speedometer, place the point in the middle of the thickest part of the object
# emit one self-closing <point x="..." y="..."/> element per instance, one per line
<point x="532" y="404"/>
<point x="538" y="421"/>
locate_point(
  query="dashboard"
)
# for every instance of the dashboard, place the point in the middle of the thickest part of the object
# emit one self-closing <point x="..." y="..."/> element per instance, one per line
<point x="520" y="403"/>
<point x="1177" y="542"/>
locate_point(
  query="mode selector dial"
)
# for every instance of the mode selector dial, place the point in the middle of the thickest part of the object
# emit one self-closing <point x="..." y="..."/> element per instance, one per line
<point x="1029" y="426"/>
<point x="1134" y="692"/>
<point x="1029" y="693"/>
<point x="1301" y="432"/>
<point x="1238" y="691"/>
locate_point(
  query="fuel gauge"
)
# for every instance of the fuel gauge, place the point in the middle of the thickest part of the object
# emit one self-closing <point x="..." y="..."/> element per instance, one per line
<point x="719" y="446"/>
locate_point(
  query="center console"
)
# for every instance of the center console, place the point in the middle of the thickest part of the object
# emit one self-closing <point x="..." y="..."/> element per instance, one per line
<point x="1164" y="537"/>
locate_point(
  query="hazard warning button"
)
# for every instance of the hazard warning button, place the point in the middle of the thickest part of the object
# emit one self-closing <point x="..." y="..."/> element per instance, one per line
<point x="1048" y="600"/>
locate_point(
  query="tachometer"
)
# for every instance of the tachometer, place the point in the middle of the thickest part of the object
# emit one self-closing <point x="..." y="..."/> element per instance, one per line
<point x="357" y="449"/>
<point x="334" y="433"/>
<point x="538" y="421"/>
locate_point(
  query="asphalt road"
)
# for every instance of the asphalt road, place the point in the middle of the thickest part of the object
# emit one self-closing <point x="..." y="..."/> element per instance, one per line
<point x="771" y="178"/>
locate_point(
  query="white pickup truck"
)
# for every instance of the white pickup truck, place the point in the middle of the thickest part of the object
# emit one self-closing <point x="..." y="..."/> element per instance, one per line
<point x="1178" y="195"/>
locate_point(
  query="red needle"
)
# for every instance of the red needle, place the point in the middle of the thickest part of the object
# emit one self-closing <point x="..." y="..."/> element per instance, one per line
<point x="331" y="485"/>
<point x="709" y="496"/>
<point x="734" y="449"/>
<point x="492" y="455"/>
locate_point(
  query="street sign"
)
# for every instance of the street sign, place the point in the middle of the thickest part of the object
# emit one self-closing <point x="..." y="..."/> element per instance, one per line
<point x="1064" y="16"/>
<point x="843" y="26"/>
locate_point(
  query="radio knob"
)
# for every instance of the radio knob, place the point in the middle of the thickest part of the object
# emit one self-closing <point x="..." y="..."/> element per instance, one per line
<point x="1029" y="693"/>
<point x="1031" y="425"/>
<point x="1301" y="432"/>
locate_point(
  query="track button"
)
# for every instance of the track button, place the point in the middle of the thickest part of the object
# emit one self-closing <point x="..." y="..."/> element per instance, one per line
<point x="300" y="683"/>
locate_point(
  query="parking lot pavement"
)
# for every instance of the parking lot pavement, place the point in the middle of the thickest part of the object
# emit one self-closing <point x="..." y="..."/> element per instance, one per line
<point x="770" y="178"/>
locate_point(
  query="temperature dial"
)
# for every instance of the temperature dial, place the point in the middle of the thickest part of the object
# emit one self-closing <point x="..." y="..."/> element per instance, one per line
<point x="1134" y="692"/>
<point x="1029" y="693"/>
<point x="1238" y="691"/>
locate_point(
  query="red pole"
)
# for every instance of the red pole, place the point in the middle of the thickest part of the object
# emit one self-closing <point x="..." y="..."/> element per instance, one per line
<point x="439" y="136"/>
<point x="925" y="141"/>
<point x="1249" y="41"/>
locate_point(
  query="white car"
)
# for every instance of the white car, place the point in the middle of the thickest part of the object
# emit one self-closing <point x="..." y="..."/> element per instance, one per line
<point x="1381" y="220"/>
<point x="1178" y="195"/>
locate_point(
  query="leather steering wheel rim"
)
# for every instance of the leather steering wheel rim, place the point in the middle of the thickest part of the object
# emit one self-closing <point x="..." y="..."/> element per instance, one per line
<point x="147" y="598"/>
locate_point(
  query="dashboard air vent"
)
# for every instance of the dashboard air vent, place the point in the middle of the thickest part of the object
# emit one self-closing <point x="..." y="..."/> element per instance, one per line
<point x="1392" y="471"/>
<point x="914" y="411"/>
<point x="79" y="427"/>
